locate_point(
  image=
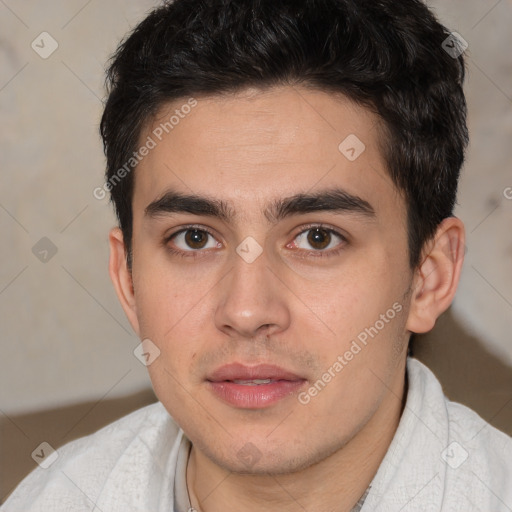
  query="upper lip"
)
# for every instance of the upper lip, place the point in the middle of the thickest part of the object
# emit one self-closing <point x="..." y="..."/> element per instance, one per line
<point x="238" y="371"/>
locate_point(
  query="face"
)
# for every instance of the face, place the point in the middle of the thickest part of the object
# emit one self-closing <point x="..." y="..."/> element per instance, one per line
<point x="270" y="268"/>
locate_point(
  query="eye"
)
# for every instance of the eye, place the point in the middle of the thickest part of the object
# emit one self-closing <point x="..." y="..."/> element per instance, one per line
<point x="193" y="239"/>
<point x="318" y="238"/>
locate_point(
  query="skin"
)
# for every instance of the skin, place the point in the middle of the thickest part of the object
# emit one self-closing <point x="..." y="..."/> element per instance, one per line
<point x="289" y="307"/>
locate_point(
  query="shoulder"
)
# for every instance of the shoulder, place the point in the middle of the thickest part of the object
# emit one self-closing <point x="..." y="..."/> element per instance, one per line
<point x="478" y="460"/>
<point x="464" y="425"/>
<point x="486" y="449"/>
<point x="477" y="457"/>
<point x="84" y="467"/>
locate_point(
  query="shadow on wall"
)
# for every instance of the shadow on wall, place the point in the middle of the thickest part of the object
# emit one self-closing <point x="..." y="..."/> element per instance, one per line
<point x="468" y="372"/>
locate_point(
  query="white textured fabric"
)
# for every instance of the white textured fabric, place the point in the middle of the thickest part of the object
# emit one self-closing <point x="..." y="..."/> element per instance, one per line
<point x="443" y="457"/>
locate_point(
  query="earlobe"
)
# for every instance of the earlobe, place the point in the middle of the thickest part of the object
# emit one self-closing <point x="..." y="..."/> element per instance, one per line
<point x="437" y="277"/>
<point x="121" y="277"/>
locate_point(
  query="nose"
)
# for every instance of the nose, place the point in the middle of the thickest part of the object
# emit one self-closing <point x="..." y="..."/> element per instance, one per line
<point x="252" y="300"/>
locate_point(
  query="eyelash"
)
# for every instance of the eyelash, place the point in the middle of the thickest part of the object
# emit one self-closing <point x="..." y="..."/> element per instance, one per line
<point x="304" y="229"/>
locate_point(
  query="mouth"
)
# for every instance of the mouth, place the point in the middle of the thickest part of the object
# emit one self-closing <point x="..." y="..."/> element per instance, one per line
<point x="253" y="387"/>
<point x="253" y="382"/>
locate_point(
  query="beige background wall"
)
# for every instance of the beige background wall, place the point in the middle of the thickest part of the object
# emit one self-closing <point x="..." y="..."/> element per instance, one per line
<point x="64" y="338"/>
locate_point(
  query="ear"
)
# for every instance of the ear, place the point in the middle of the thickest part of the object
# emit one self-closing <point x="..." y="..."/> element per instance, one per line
<point x="122" y="277"/>
<point x="436" y="279"/>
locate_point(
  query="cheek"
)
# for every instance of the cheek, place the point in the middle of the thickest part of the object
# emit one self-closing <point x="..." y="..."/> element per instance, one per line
<point x="163" y="294"/>
<point x="174" y="321"/>
<point x="347" y="302"/>
<point x="364" y="307"/>
<point x="358" y="363"/>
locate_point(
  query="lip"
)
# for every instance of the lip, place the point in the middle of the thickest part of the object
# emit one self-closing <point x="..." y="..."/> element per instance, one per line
<point x="283" y="383"/>
<point x="238" y="371"/>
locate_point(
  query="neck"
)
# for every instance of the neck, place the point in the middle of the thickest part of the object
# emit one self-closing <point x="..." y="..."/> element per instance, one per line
<point x="335" y="483"/>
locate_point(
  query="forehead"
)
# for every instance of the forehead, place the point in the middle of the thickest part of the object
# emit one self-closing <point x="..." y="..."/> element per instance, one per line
<point x="253" y="145"/>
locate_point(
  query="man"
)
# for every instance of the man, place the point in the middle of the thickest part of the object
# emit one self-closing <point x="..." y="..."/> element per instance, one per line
<point x="284" y="174"/>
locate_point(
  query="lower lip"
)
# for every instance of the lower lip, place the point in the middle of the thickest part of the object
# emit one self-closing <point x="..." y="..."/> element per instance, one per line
<point x="255" y="397"/>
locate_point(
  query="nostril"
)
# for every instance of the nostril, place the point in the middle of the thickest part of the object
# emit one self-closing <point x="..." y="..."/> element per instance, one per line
<point x="266" y="327"/>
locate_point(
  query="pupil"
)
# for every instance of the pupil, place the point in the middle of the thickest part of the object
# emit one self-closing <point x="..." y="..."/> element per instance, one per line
<point x="319" y="238"/>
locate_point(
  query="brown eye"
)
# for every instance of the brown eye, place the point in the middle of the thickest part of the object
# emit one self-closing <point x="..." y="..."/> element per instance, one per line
<point x="195" y="238"/>
<point x="319" y="238"/>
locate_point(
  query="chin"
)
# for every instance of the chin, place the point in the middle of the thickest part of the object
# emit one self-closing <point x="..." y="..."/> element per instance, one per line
<point x="251" y="459"/>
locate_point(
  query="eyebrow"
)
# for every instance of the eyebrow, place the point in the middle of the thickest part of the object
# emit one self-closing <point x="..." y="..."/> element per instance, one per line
<point x="334" y="200"/>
